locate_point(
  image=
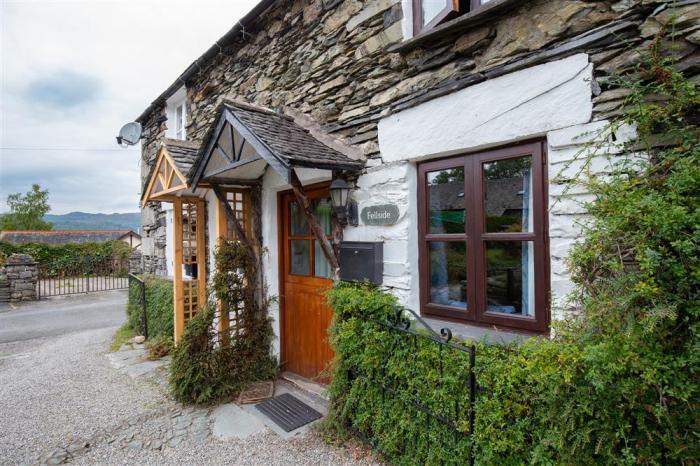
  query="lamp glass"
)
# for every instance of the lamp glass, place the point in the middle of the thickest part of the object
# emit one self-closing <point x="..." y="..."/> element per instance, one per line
<point x="339" y="193"/>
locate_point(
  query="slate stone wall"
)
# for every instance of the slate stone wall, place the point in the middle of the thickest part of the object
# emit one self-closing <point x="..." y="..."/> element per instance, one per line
<point x="21" y="272"/>
<point x="328" y="60"/>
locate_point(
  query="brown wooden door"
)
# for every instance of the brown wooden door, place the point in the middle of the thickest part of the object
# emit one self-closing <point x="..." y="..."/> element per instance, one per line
<point x="305" y="279"/>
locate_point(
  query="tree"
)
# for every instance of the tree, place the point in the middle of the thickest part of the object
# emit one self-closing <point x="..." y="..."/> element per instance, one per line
<point x="27" y="210"/>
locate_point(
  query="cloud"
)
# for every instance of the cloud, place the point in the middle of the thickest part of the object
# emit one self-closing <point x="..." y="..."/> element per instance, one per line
<point x="73" y="72"/>
<point x="64" y="89"/>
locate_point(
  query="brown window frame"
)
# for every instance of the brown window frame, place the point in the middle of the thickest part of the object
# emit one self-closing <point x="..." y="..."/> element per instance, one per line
<point x="475" y="237"/>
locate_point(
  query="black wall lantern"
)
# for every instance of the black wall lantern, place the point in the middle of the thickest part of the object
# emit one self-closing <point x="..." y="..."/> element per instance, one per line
<point x="344" y="208"/>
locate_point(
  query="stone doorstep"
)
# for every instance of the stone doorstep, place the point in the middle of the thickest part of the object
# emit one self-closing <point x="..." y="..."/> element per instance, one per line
<point x="315" y="401"/>
<point x="306" y="385"/>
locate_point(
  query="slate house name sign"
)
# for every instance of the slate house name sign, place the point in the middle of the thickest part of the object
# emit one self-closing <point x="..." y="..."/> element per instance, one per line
<point x="380" y="215"/>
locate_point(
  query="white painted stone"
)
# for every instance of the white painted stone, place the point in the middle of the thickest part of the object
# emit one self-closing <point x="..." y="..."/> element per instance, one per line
<point x="566" y="226"/>
<point x="513" y="107"/>
<point x="578" y="135"/>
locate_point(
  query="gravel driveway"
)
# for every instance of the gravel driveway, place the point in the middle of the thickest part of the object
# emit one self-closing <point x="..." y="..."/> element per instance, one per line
<point x="60" y="392"/>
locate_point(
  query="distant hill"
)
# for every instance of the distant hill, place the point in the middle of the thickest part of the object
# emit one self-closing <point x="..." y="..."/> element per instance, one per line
<point x="86" y="221"/>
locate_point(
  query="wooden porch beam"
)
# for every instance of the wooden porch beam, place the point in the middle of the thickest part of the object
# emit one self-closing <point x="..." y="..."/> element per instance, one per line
<point x="240" y="231"/>
<point x="316" y="228"/>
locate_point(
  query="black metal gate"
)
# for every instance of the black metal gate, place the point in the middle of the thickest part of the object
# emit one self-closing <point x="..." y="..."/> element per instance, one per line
<point x="84" y="275"/>
<point x="406" y="333"/>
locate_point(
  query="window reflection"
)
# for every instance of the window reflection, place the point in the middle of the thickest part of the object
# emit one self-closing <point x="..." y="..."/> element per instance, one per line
<point x="446" y="201"/>
<point x="448" y="275"/>
<point x="297" y="221"/>
<point x="300" y="260"/>
<point x="508" y="195"/>
<point x="510" y="277"/>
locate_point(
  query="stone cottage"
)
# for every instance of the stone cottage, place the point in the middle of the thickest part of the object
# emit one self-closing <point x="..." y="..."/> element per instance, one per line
<point x="426" y="145"/>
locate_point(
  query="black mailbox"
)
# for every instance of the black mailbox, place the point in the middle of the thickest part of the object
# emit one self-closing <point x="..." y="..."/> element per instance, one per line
<point x="362" y="261"/>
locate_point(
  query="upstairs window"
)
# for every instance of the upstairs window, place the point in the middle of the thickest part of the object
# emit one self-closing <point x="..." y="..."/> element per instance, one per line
<point x="429" y="13"/>
<point x="176" y="112"/>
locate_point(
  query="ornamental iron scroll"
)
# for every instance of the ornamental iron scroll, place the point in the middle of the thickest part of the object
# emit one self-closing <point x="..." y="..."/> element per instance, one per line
<point x="403" y="331"/>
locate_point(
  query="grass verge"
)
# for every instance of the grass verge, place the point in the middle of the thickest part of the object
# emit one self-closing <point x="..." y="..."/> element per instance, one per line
<point x="121" y="337"/>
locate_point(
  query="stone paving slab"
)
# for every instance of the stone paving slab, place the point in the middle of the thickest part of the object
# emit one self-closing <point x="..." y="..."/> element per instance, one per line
<point x="231" y="421"/>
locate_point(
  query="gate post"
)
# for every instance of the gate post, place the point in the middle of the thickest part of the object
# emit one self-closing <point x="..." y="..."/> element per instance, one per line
<point x="22" y="274"/>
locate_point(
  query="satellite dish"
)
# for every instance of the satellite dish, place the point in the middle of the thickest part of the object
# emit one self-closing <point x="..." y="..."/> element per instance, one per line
<point x="129" y="135"/>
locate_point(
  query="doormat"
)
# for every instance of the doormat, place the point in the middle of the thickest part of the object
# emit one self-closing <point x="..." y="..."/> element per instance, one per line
<point x="257" y="391"/>
<point x="288" y="412"/>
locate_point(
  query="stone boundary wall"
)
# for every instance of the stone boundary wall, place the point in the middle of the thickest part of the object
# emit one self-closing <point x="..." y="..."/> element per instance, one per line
<point x="21" y="271"/>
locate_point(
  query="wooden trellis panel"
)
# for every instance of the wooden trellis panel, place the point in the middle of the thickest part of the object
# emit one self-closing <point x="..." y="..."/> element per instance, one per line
<point x="190" y="258"/>
<point x="239" y="201"/>
<point x="166" y="178"/>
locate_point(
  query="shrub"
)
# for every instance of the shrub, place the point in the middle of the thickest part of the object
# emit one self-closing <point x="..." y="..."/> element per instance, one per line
<point x="159" y="347"/>
<point x="209" y="366"/>
<point x="159" y="306"/>
<point x="68" y="253"/>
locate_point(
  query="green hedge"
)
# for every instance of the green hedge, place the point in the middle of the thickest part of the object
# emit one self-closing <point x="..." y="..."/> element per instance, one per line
<point x="159" y="306"/>
<point x="539" y="401"/>
<point x="68" y="253"/>
<point x="365" y="354"/>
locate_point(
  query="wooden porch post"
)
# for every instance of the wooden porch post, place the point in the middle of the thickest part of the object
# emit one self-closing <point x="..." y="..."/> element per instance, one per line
<point x="201" y="256"/>
<point x="221" y="234"/>
<point x="316" y="228"/>
<point x="178" y="296"/>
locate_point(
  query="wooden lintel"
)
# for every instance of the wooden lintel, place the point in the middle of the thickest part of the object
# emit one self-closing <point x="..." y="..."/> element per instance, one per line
<point x="316" y="228"/>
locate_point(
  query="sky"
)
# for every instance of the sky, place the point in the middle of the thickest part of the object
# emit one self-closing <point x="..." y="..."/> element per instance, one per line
<point x="74" y="72"/>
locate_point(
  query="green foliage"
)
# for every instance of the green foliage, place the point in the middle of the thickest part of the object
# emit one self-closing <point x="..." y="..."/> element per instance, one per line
<point x="123" y="334"/>
<point x="27" y="210"/>
<point x="210" y="366"/>
<point x="67" y="254"/>
<point x="159" y="306"/>
<point x="365" y="351"/>
<point x="619" y="383"/>
<point x="159" y="347"/>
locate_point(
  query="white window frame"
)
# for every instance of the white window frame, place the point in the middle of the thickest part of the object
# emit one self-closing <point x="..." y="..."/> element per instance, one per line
<point x="177" y="128"/>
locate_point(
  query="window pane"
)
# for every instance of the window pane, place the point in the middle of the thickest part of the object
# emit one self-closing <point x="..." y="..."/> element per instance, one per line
<point x="431" y="8"/>
<point x="300" y="263"/>
<point x="508" y="196"/>
<point x="448" y="273"/>
<point x="297" y="221"/>
<point x="446" y="201"/>
<point x="322" y="210"/>
<point x="510" y="277"/>
<point x="179" y="120"/>
<point x="323" y="268"/>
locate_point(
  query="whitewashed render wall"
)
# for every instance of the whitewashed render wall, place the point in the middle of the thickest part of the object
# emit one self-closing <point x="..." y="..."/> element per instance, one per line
<point x="551" y="101"/>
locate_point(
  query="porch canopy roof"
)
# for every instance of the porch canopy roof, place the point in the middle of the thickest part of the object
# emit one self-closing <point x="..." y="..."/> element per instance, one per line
<point x="247" y="139"/>
<point x="171" y="172"/>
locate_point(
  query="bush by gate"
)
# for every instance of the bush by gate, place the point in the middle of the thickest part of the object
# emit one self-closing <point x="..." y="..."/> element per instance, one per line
<point x="159" y="306"/>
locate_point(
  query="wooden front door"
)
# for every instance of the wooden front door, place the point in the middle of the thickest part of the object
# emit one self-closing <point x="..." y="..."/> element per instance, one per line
<point x="305" y="277"/>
